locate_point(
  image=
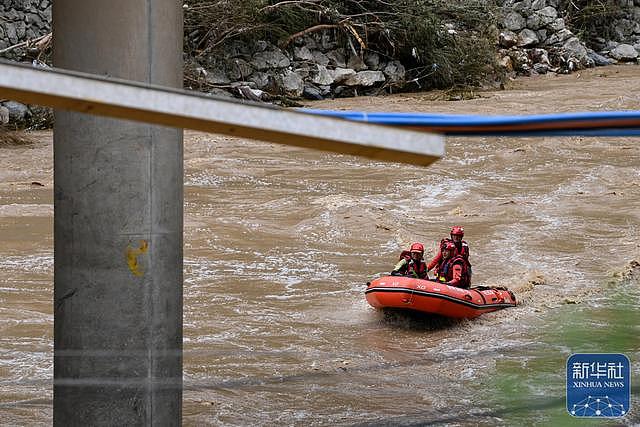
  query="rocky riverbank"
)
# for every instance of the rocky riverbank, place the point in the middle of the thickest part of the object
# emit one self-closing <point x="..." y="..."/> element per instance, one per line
<point x="532" y="37"/>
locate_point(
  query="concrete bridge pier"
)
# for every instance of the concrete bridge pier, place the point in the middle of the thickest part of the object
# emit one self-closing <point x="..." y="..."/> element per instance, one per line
<point x="118" y="225"/>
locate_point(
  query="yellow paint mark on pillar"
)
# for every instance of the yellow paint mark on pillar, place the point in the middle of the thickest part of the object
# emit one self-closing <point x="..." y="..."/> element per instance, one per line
<point x="132" y="257"/>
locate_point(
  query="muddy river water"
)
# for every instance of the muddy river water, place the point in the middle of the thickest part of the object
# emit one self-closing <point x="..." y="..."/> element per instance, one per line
<point x="280" y="241"/>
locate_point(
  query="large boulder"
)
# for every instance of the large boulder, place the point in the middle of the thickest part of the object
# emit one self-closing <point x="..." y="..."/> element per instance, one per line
<point x="507" y="39"/>
<point x="292" y="84"/>
<point x="341" y="74"/>
<point x="365" y="78"/>
<point x="558" y="38"/>
<point x="557" y="24"/>
<point x="547" y="15"/>
<point x="322" y="76"/>
<point x="624" y="52"/>
<point x="514" y="21"/>
<point x="527" y="38"/>
<point x="18" y="113"/>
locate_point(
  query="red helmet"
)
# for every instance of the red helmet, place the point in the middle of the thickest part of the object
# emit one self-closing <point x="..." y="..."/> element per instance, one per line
<point x="456" y="230"/>
<point x="449" y="246"/>
<point x="417" y="247"/>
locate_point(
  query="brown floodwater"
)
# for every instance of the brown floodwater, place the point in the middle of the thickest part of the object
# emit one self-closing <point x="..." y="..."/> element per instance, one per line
<point x="280" y="241"/>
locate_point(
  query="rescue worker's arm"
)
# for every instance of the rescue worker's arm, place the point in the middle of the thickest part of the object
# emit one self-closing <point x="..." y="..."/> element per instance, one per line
<point x="435" y="261"/>
<point x="400" y="267"/>
<point x="457" y="276"/>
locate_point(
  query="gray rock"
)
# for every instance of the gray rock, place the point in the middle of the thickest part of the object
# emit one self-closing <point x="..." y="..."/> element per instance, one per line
<point x="523" y="7"/>
<point x="320" y="58"/>
<point x="557" y="24"/>
<point x="538" y="4"/>
<point x="4" y="115"/>
<point x="10" y="29"/>
<point x="217" y="77"/>
<point x="534" y="22"/>
<point x="13" y="15"/>
<point x="507" y="39"/>
<point x="303" y="71"/>
<point x="34" y="20"/>
<point x="539" y="56"/>
<point x="514" y="22"/>
<point x="624" y="52"/>
<point x="262" y="80"/>
<point x="372" y="60"/>
<point x="337" y="58"/>
<point x="547" y="15"/>
<point x="312" y="92"/>
<point x="322" y="76"/>
<point x="541" y="68"/>
<point x="46" y="14"/>
<point x="341" y="74"/>
<point x="527" y="38"/>
<point x="251" y="94"/>
<point x="599" y="60"/>
<point x="292" y="84"/>
<point x="324" y="89"/>
<point x="575" y="48"/>
<point x="395" y="72"/>
<point x="18" y="113"/>
<point x="559" y="38"/>
<point x="21" y="30"/>
<point x="238" y="69"/>
<point x="365" y="78"/>
<point x="542" y="35"/>
<point x="356" y="63"/>
<point x="270" y="59"/>
<point x="302" y="54"/>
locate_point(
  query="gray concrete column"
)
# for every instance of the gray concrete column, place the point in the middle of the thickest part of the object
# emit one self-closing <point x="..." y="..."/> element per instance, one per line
<point x="118" y="225"/>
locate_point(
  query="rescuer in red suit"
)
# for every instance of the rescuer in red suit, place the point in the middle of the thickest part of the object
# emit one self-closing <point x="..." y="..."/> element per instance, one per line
<point x="411" y="263"/>
<point x="453" y="269"/>
<point x="462" y="248"/>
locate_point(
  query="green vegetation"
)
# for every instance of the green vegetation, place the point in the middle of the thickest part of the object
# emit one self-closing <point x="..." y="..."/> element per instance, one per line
<point x="592" y="18"/>
<point x="441" y="43"/>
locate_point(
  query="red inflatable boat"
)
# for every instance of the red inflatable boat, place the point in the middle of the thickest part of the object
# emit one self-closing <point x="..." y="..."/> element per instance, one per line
<point x="433" y="297"/>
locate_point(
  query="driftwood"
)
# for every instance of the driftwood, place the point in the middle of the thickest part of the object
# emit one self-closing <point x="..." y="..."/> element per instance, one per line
<point x="40" y="43"/>
<point x="309" y="30"/>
